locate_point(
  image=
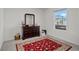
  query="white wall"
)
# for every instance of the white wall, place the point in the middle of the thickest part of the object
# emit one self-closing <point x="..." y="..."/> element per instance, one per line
<point x="44" y="18"/>
<point x="1" y="27"/>
<point x="72" y="32"/>
<point x="14" y="18"/>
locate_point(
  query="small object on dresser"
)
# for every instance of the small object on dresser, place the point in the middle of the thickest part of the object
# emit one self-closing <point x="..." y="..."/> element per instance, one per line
<point x="17" y="36"/>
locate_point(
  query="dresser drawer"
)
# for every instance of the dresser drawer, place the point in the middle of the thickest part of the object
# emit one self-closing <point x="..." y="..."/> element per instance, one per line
<point x="31" y="31"/>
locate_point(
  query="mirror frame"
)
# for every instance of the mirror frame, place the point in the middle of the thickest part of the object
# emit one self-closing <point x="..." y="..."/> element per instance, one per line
<point x="30" y="15"/>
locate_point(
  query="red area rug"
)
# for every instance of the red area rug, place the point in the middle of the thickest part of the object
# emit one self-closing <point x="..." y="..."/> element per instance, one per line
<point x="42" y="45"/>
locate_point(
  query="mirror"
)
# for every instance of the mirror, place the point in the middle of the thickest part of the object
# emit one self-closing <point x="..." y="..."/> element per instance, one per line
<point x="29" y="19"/>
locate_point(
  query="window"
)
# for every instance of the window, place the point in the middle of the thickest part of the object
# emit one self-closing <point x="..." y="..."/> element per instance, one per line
<point x="61" y="19"/>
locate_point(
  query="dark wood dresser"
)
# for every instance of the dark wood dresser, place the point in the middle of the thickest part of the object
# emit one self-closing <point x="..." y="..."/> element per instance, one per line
<point x="30" y="31"/>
